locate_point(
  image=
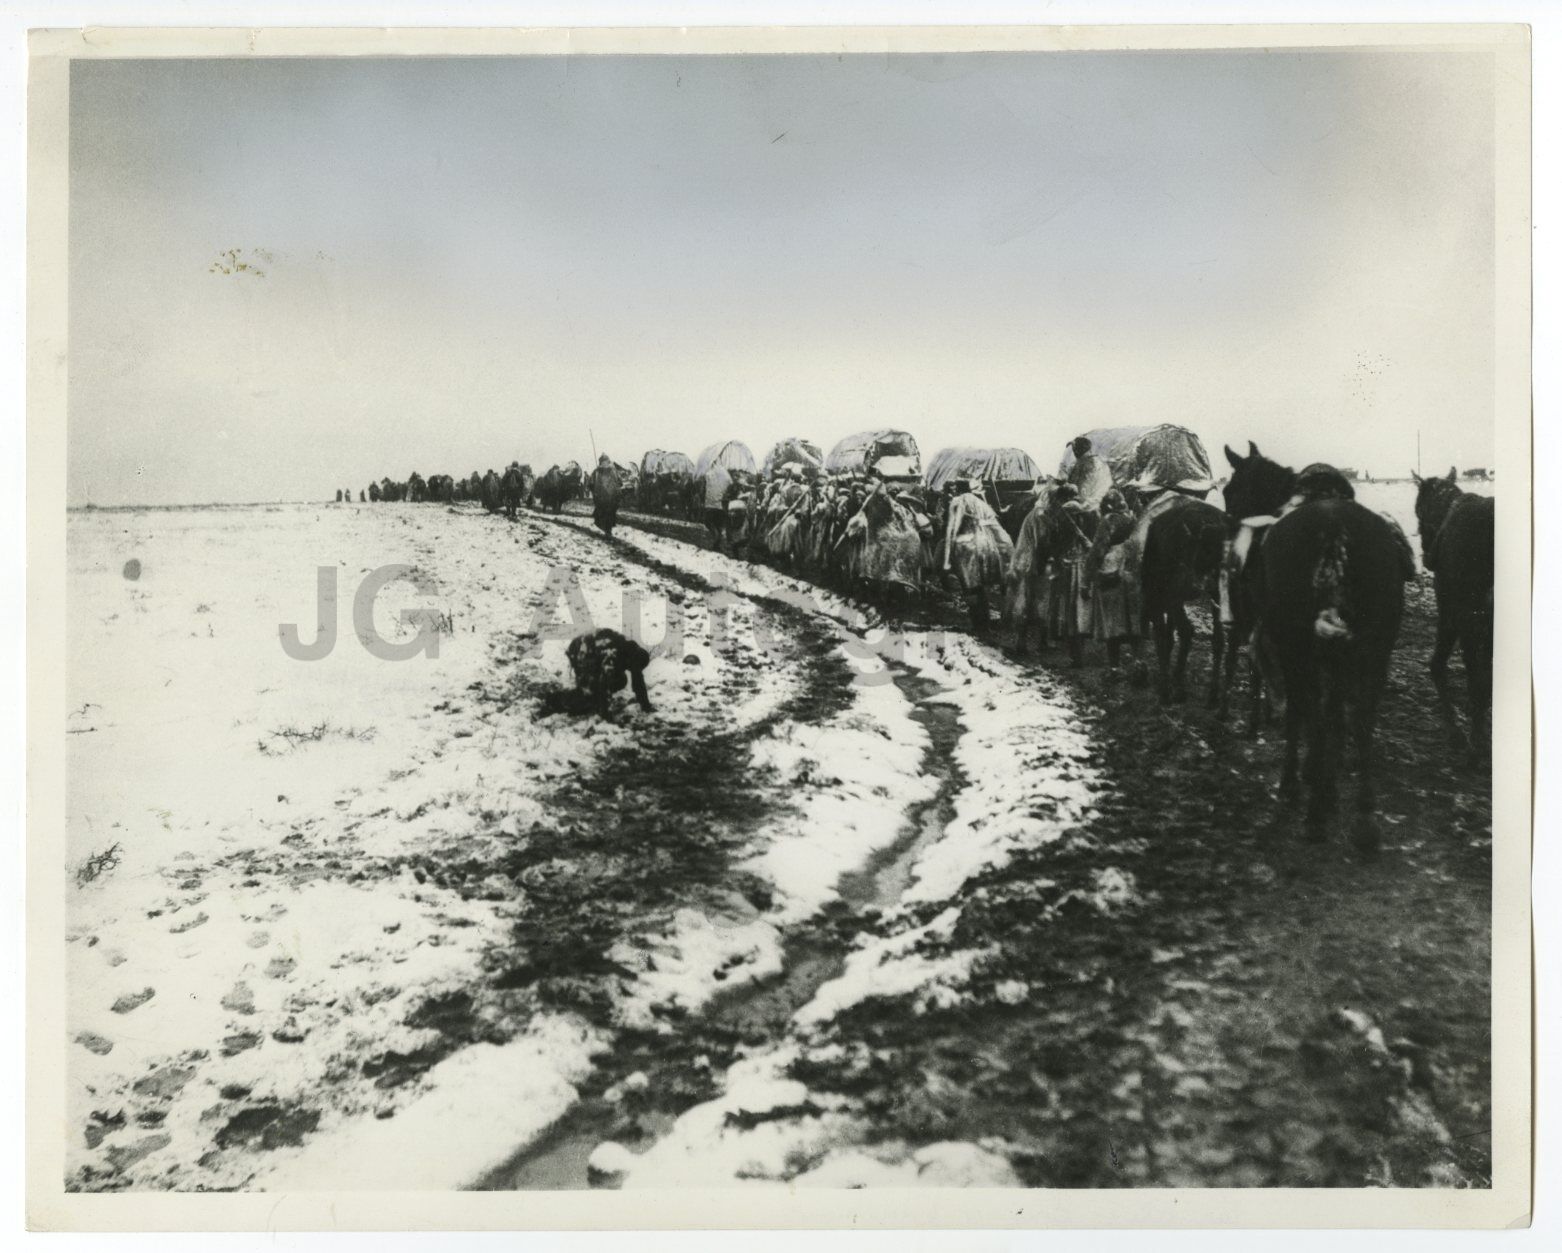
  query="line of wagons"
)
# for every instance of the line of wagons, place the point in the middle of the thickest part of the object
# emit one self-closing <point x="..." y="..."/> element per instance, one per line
<point x="1322" y="606"/>
<point x="673" y="485"/>
<point x="496" y="491"/>
<point x="1153" y="458"/>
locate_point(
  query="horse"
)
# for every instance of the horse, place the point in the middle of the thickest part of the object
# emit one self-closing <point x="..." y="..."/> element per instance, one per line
<point x="1184" y="546"/>
<point x="1328" y="597"/>
<point x="1458" y="533"/>
<point x="1257" y="494"/>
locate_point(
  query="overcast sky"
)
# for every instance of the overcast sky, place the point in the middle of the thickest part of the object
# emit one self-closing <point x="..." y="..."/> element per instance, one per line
<point x="457" y="263"/>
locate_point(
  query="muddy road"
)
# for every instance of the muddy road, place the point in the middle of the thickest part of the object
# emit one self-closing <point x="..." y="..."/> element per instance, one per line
<point x="862" y="901"/>
<point x="1178" y="991"/>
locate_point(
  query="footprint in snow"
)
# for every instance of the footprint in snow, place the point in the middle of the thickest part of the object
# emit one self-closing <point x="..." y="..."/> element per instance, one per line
<point x="241" y="1000"/>
<point x="133" y="1000"/>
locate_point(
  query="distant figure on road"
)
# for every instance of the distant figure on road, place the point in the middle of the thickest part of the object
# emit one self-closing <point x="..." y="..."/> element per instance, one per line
<point x="605" y="662"/>
<point x="716" y="489"/>
<point x="605" y="489"/>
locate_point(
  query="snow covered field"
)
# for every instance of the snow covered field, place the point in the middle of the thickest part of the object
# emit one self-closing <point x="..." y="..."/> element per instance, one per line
<point x="297" y="968"/>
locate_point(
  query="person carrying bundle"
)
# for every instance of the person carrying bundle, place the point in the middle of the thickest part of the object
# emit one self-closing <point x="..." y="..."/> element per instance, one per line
<point x="976" y="548"/>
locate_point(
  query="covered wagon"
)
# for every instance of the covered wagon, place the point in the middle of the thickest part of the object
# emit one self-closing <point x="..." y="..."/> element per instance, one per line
<point x="664" y="481"/>
<point x="731" y="455"/>
<point x="793" y="451"/>
<point x="1151" y="458"/>
<point x="893" y="454"/>
<point x="1005" y="476"/>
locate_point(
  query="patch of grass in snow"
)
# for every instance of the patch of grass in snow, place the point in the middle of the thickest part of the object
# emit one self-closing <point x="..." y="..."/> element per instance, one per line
<point x="99" y="863"/>
<point x="288" y="739"/>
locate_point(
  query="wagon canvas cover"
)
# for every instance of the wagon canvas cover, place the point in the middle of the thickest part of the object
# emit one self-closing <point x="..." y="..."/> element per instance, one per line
<point x="793" y="451"/>
<point x="981" y="465"/>
<point x="857" y="452"/>
<point x="730" y="454"/>
<point x="1157" y="456"/>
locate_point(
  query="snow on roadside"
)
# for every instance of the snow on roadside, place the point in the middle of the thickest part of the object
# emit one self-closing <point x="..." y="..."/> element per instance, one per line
<point x="1025" y="756"/>
<point x="843" y="789"/>
<point x="241" y="982"/>
<point x="1026" y="776"/>
<point x="766" y="1130"/>
<point x="891" y="966"/>
<point x="479" y="1106"/>
<point x="855" y="778"/>
<point x="257" y="987"/>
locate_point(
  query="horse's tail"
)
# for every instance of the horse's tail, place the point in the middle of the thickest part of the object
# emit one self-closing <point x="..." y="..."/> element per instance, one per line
<point x="1329" y="590"/>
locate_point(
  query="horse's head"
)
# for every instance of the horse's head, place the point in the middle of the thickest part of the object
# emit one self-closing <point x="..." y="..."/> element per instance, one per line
<point x="1258" y="485"/>
<point x="1434" y="498"/>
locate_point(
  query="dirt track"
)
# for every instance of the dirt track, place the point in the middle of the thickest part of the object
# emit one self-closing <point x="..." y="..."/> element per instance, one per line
<point x="987" y="921"/>
<point x="1262" y="1011"/>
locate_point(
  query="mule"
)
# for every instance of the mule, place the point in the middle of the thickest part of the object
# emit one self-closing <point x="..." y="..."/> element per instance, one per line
<point x="1458" y="534"/>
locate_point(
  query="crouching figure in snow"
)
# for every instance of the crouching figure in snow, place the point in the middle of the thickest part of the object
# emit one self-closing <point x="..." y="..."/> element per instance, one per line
<point x="605" y="662"/>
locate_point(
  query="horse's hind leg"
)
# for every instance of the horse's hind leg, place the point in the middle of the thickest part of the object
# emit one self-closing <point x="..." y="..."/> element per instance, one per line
<point x="1163" y="645"/>
<point x="1184" y="626"/>
<point x="1290" y="782"/>
<point x="1364" y="831"/>
<point x="1475" y="650"/>
<point x="1447" y="638"/>
<point x="1217" y="693"/>
<point x="1326" y="729"/>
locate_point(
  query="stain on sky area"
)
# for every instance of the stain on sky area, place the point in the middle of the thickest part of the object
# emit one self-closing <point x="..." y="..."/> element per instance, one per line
<point x="239" y="261"/>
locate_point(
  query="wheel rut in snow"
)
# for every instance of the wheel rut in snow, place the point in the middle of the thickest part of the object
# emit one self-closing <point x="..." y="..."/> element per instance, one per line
<point x="682" y="1068"/>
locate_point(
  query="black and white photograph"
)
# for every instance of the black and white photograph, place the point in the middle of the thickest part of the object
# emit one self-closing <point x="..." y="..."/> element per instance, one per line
<point x="847" y="617"/>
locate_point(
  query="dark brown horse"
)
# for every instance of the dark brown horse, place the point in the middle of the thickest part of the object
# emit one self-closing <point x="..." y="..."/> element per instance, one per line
<point x="1184" y="547"/>
<point x="1458" y="533"/>
<point x="1256" y="496"/>
<point x="1328" y="595"/>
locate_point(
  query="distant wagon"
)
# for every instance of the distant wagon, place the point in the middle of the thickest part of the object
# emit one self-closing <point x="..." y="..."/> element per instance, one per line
<point x="664" y="481"/>
<point x="1478" y="474"/>
<point x="893" y="454"/>
<point x="1151" y="458"/>
<point x="792" y="451"/>
<point x="731" y="455"/>
<point x="1001" y="471"/>
<point x="1005" y="476"/>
